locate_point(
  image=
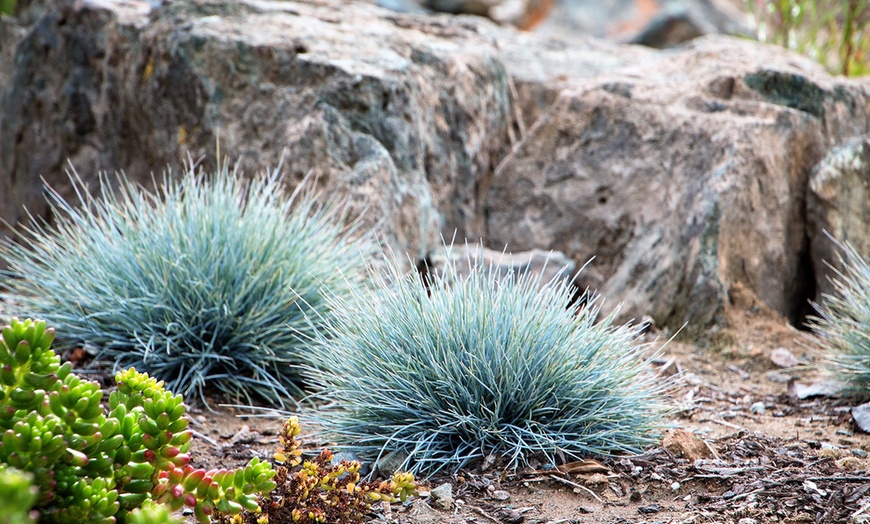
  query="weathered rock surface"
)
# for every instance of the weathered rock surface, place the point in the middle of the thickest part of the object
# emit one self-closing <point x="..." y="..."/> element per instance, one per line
<point x="681" y="177"/>
<point x="541" y="68"/>
<point x="543" y="266"/>
<point x="402" y="116"/>
<point x="838" y="209"/>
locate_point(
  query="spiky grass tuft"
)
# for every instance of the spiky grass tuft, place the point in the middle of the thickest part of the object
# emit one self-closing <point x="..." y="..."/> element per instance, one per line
<point x="209" y="281"/>
<point x="843" y="322"/>
<point x="471" y="366"/>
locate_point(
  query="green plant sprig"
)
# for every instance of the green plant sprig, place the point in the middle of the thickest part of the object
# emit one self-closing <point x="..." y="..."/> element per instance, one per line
<point x="151" y="513"/>
<point x="319" y="490"/>
<point x="831" y="32"/>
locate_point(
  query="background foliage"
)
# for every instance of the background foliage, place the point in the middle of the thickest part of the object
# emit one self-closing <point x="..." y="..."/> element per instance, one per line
<point x="833" y="32"/>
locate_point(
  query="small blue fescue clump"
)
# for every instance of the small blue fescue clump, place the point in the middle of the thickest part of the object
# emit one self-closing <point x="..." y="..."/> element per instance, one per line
<point x="213" y="280"/>
<point x="843" y="323"/>
<point x="468" y="366"/>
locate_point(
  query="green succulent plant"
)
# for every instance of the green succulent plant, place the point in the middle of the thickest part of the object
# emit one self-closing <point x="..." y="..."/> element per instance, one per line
<point x="94" y="465"/>
<point x="151" y="513"/>
<point x="7" y="7"/>
<point x="842" y="322"/>
<point x="17" y="496"/>
<point x="471" y="366"/>
<point x="211" y="281"/>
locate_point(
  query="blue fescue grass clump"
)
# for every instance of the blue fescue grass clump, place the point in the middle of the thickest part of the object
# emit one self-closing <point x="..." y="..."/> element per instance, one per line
<point x="208" y="281"/>
<point x="843" y="322"/>
<point x="470" y="366"/>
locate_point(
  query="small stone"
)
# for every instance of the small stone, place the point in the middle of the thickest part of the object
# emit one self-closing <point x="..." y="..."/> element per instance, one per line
<point x="509" y="515"/>
<point x="649" y="510"/>
<point x="392" y="462"/>
<point x="824" y="388"/>
<point x="861" y="416"/>
<point x="757" y="408"/>
<point x="860" y="453"/>
<point x="831" y="453"/>
<point x="812" y="488"/>
<point x="442" y="496"/>
<point x="776" y="377"/>
<point x="783" y="358"/>
<point x="595" y="479"/>
<point x="747" y="520"/>
<point x="424" y="513"/>
<point x="500" y="494"/>
<point x="675" y="486"/>
<point x="684" y="444"/>
<point x="849" y="463"/>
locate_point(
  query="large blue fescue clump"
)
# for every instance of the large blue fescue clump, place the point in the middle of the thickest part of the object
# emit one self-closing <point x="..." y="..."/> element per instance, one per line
<point x="213" y="280"/>
<point x="469" y="367"/>
<point x="843" y="323"/>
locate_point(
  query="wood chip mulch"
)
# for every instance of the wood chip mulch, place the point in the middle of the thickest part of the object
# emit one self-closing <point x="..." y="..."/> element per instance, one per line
<point x="762" y="478"/>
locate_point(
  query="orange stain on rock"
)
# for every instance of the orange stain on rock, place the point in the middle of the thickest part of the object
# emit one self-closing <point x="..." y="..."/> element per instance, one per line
<point x="644" y="11"/>
<point x="537" y="12"/>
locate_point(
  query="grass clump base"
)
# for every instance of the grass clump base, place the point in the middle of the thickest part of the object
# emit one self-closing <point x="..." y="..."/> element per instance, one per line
<point x="208" y="282"/>
<point x="320" y="490"/>
<point x="469" y="367"/>
<point x="843" y="323"/>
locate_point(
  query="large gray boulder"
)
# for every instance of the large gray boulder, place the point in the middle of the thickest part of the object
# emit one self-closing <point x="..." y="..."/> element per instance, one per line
<point x="681" y="176"/>
<point x="401" y="116"/>
<point x="683" y="173"/>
